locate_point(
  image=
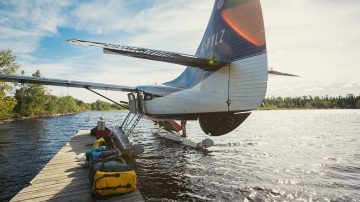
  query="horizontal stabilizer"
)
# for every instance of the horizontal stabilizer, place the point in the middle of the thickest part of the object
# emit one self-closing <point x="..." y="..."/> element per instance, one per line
<point x="207" y="64"/>
<point x="66" y="83"/>
<point x="281" y="73"/>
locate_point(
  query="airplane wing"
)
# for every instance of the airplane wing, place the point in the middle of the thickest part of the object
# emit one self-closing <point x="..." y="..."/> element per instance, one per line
<point x="66" y="83"/>
<point x="207" y="64"/>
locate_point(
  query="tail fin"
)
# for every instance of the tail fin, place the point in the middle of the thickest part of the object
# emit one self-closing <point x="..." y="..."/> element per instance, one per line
<point x="236" y="34"/>
<point x="235" y="31"/>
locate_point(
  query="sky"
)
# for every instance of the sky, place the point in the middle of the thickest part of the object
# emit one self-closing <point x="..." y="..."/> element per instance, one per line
<point x="318" y="40"/>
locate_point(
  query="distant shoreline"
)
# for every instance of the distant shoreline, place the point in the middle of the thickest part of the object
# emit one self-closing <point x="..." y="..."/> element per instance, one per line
<point x="50" y="116"/>
<point x="350" y="101"/>
<point x="73" y="113"/>
<point x="36" y="117"/>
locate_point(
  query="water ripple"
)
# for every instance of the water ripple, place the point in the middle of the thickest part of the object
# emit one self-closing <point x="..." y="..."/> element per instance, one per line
<point x="310" y="155"/>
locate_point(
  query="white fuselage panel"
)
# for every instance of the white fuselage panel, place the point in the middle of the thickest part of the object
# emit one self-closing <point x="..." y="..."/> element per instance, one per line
<point x="242" y="84"/>
<point x="248" y="82"/>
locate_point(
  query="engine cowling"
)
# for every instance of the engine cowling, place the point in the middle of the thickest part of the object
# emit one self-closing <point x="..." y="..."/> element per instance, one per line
<point x="217" y="124"/>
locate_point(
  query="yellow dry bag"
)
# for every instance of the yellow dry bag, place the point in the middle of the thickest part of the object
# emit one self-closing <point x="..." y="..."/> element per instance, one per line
<point x="112" y="183"/>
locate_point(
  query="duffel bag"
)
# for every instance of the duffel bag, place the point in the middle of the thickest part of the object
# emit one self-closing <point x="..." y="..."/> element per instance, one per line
<point x="112" y="183"/>
<point x="107" y="166"/>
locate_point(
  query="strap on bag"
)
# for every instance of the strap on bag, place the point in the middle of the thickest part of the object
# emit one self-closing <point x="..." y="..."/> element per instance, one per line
<point x="110" y="175"/>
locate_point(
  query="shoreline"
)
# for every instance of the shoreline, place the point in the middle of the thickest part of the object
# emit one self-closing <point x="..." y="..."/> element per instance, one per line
<point x="72" y="113"/>
<point x="48" y="116"/>
<point x="36" y="117"/>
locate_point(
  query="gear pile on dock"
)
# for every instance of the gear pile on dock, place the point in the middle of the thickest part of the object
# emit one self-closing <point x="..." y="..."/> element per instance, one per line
<point x="66" y="176"/>
<point x="108" y="173"/>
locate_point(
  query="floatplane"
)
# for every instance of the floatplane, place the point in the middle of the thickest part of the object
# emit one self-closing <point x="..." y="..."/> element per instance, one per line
<point x="223" y="82"/>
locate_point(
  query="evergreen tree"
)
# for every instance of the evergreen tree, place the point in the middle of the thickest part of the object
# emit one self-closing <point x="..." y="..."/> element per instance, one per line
<point x="358" y="104"/>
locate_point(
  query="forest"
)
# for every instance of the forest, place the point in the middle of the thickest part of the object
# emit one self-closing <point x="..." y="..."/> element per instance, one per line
<point x="349" y="101"/>
<point x="30" y="100"/>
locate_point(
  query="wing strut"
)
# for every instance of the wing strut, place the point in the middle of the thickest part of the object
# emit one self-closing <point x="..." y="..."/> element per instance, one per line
<point x="111" y="100"/>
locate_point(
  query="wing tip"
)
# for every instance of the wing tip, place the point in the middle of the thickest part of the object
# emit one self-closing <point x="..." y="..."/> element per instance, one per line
<point x="73" y="41"/>
<point x="282" y="73"/>
<point x="86" y="43"/>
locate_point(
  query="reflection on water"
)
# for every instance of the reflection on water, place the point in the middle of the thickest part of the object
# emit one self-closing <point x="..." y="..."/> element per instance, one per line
<point x="281" y="155"/>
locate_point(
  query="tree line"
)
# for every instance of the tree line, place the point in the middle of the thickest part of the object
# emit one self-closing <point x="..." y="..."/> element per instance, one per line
<point x="31" y="100"/>
<point x="349" y="101"/>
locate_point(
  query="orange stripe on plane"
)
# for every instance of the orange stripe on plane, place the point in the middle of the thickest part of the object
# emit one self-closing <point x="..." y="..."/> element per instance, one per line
<point x="248" y="25"/>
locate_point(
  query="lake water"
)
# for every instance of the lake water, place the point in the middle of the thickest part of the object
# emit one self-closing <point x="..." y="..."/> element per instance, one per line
<point x="274" y="155"/>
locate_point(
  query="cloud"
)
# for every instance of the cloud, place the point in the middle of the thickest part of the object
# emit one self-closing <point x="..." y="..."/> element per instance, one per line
<point x="351" y="84"/>
<point x="101" y="16"/>
<point x="162" y="25"/>
<point x="24" y="24"/>
<point x="315" y="89"/>
<point x="315" y="39"/>
<point x="287" y="87"/>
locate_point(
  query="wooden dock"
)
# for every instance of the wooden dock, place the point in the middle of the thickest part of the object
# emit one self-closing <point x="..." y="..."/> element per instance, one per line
<point x="65" y="178"/>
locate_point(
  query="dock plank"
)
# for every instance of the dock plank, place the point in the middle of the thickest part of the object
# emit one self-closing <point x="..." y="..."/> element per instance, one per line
<point x="65" y="178"/>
